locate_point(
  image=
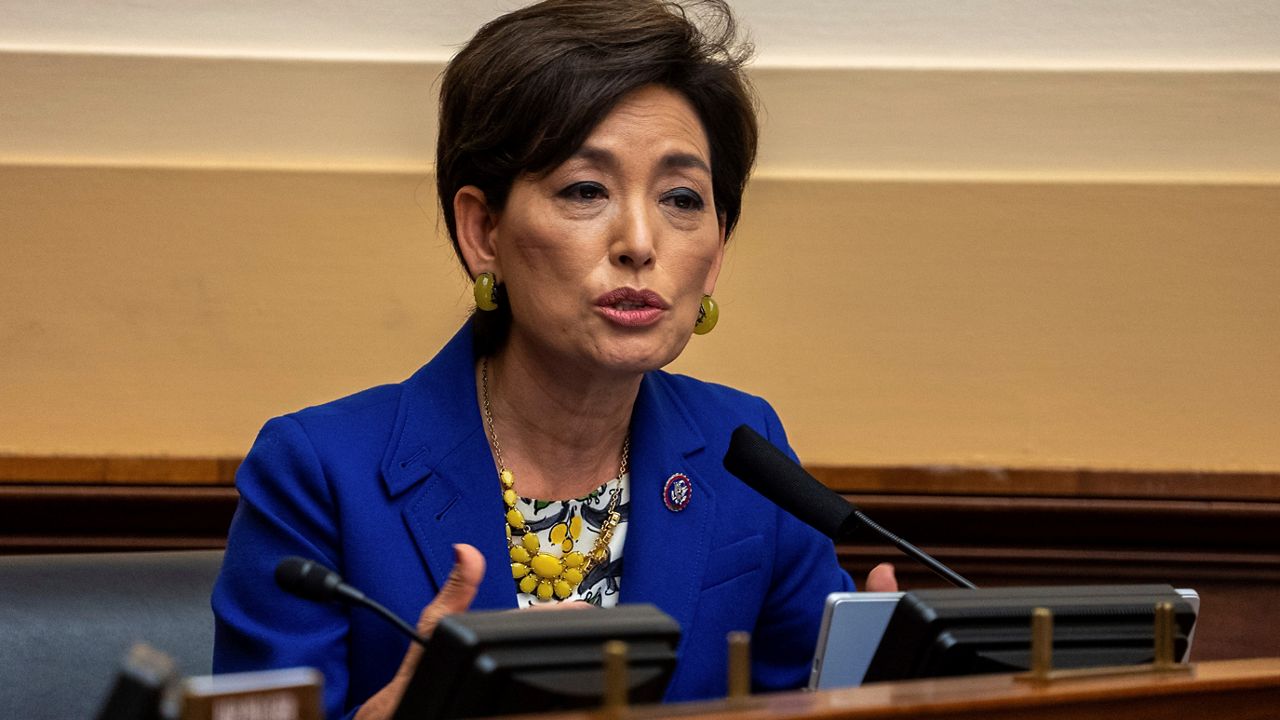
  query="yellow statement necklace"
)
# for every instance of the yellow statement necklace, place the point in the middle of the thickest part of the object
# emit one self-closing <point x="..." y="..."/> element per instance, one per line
<point x="536" y="571"/>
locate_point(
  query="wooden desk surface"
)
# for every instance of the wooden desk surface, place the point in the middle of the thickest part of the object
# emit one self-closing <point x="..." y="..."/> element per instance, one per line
<point x="1234" y="689"/>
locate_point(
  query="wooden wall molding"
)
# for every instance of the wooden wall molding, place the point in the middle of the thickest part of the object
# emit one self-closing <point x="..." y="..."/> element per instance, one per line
<point x="1032" y="482"/>
<point x="905" y="480"/>
<point x="118" y="470"/>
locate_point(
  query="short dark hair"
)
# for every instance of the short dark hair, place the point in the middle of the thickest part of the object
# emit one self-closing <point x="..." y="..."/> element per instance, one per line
<point x="526" y="91"/>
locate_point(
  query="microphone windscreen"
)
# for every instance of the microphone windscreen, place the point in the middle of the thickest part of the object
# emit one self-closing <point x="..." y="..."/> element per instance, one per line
<point x="773" y="474"/>
<point x="307" y="579"/>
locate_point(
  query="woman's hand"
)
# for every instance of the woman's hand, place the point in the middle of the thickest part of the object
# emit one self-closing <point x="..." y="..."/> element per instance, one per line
<point x="455" y="597"/>
<point x="881" y="579"/>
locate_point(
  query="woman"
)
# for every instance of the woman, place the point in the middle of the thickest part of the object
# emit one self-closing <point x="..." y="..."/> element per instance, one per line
<point x="591" y="163"/>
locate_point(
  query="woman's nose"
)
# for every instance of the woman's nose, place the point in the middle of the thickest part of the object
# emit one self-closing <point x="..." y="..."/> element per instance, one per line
<point x="633" y="243"/>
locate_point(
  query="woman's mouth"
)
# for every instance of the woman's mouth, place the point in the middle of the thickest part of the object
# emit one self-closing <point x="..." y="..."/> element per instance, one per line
<point x="630" y="307"/>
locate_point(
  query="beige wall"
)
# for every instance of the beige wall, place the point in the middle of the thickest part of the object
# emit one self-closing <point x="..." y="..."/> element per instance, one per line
<point x="1003" y="266"/>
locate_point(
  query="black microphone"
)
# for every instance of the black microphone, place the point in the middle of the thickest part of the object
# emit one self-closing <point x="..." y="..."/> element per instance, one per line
<point x="310" y="580"/>
<point x="773" y="474"/>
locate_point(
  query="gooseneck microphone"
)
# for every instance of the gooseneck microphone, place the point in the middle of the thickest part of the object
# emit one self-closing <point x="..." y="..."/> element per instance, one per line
<point x="310" y="580"/>
<point x="773" y="474"/>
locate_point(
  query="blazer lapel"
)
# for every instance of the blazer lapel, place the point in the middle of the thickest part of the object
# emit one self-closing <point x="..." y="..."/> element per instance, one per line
<point x="459" y="505"/>
<point x="439" y="442"/>
<point x="665" y="555"/>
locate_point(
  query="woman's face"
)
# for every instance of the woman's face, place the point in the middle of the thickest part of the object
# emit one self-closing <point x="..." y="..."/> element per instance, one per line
<point x="606" y="257"/>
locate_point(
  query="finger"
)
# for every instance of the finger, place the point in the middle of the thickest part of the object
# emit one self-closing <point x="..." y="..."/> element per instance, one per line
<point x="882" y="579"/>
<point x="458" y="591"/>
<point x="455" y="597"/>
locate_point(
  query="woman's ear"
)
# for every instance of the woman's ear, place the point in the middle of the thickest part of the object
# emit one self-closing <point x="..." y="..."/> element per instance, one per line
<point x="476" y="226"/>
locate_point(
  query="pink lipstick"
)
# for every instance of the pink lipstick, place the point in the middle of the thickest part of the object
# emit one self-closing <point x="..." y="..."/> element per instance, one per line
<point x="630" y="307"/>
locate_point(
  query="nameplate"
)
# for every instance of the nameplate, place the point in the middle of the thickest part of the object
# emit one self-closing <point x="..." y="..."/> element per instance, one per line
<point x="292" y="694"/>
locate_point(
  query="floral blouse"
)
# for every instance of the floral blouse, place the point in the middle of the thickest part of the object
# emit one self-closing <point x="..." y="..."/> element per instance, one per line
<point x="555" y="522"/>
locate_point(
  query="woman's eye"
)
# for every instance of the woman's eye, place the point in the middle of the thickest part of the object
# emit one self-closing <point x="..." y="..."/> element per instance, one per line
<point x="583" y="191"/>
<point x="683" y="199"/>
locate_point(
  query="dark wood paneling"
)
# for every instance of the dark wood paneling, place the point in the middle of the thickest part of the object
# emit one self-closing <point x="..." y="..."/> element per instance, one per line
<point x="1219" y="534"/>
<point x="1169" y="526"/>
<point x="1053" y="482"/>
<point x="1228" y="551"/>
<point x="65" y="518"/>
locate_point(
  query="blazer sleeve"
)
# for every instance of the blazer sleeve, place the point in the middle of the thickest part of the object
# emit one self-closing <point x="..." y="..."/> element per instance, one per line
<point x="286" y="508"/>
<point x="805" y="571"/>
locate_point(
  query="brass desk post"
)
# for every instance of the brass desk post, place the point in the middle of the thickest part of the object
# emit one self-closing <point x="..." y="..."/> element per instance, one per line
<point x="739" y="665"/>
<point x="1041" y="643"/>
<point x="615" y="677"/>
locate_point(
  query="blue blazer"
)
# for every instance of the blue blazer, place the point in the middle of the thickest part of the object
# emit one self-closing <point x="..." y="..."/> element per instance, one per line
<point x="381" y="484"/>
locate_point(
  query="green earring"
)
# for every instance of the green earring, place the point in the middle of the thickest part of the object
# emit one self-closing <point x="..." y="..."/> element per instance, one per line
<point x="484" y="288"/>
<point x="708" y="316"/>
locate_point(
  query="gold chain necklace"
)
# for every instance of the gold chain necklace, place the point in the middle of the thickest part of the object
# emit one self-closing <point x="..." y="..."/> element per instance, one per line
<point x="535" y="571"/>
